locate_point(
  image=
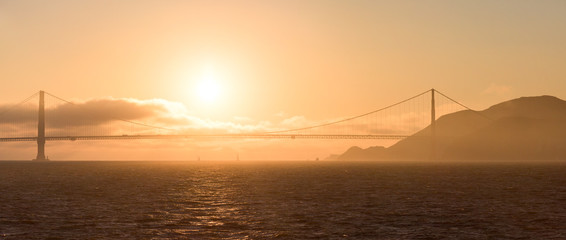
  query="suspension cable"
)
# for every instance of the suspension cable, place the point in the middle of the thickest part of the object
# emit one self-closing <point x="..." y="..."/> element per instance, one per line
<point x="351" y="118"/>
<point x="289" y="130"/>
<point x="464" y="106"/>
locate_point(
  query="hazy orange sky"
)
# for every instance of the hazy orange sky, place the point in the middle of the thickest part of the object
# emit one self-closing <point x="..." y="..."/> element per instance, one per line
<point x="275" y="61"/>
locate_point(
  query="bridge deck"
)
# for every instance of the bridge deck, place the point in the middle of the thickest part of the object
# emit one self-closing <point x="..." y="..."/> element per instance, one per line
<point x="250" y="136"/>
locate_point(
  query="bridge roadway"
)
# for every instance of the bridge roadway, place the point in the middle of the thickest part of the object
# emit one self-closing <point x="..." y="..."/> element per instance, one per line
<point x="193" y="136"/>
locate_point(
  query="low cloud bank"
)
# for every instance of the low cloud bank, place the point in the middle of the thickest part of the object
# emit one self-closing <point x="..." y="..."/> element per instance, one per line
<point x="104" y="116"/>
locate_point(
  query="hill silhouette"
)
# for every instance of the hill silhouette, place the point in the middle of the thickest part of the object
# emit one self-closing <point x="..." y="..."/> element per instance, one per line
<point x="527" y="128"/>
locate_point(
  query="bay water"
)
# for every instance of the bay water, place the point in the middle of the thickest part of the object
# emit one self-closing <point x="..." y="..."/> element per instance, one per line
<point x="281" y="200"/>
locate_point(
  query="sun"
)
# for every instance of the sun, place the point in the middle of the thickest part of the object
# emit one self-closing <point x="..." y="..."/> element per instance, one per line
<point x="208" y="89"/>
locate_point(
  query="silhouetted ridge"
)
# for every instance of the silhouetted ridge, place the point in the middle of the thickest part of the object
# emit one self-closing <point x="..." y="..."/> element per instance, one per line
<point x="532" y="107"/>
<point x="363" y="154"/>
<point x="513" y="138"/>
<point x="526" y="128"/>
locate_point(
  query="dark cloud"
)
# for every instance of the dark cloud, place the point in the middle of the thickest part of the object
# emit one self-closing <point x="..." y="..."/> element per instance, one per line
<point x="19" y="114"/>
<point x="110" y="116"/>
<point x="100" y="111"/>
<point x="84" y="117"/>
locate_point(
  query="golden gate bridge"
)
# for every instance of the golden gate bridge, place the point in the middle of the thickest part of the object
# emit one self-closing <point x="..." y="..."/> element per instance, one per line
<point x="28" y="122"/>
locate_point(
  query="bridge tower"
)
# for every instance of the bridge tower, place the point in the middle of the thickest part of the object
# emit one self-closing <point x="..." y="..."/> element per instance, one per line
<point x="41" y="129"/>
<point x="432" y="126"/>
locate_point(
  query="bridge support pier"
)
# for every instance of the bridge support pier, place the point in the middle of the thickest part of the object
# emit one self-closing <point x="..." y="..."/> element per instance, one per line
<point x="432" y="127"/>
<point x="41" y="129"/>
